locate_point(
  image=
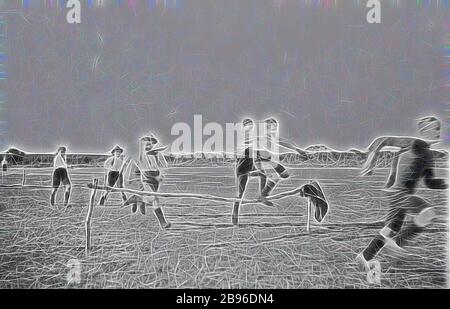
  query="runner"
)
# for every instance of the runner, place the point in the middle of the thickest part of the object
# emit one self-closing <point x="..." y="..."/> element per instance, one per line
<point x="60" y="176"/>
<point x="410" y="166"/>
<point x="146" y="173"/>
<point x="114" y="167"/>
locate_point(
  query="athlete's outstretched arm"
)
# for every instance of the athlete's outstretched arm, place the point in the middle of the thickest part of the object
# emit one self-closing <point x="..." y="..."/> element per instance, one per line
<point x="289" y="145"/>
<point x="393" y="172"/>
<point x="377" y="146"/>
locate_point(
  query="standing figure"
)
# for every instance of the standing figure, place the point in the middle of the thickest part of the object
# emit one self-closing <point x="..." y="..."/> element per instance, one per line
<point x="409" y="167"/>
<point x="245" y="164"/>
<point x="114" y="167"/>
<point x="60" y="176"/>
<point x="146" y="172"/>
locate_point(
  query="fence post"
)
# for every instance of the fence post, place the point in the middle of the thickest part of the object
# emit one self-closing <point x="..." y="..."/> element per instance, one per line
<point x="308" y="223"/>
<point x="89" y="216"/>
<point x="23" y="177"/>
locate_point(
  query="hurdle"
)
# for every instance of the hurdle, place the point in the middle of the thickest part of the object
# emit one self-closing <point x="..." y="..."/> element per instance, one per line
<point x="303" y="191"/>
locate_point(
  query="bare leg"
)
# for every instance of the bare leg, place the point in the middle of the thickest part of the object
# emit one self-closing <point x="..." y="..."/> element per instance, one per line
<point x="160" y="215"/>
<point x="243" y="180"/>
<point x="67" y="195"/>
<point x="389" y="231"/>
<point x="271" y="184"/>
<point x="420" y="222"/>
<point x="104" y="198"/>
<point x="262" y="183"/>
<point x="53" y="196"/>
<point x="120" y="185"/>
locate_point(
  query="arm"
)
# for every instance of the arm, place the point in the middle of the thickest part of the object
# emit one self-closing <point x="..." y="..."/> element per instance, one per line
<point x="289" y="145"/>
<point x="108" y="164"/>
<point x="394" y="168"/>
<point x="125" y="164"/>
<point x="393" y="173"/>
<point x="432" y="182"/>
<point x="156" y="151"/>
<point x="162" y="162"/>
<point x="129" y="171"/>
<point x="377" y="146"/>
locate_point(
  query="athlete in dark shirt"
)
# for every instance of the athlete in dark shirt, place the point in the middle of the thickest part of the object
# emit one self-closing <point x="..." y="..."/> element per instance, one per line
<point x="412" y="165"/>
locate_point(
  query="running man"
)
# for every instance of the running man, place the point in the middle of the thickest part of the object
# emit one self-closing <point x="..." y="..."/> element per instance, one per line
<point x="60" y="176"/>
<point x="409" y="167"/>
<point x="114" y="168"/>
<point x="146" y="172"/>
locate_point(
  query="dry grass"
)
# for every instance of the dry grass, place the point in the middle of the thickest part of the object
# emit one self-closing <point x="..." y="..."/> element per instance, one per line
<point x="203" y="250"/>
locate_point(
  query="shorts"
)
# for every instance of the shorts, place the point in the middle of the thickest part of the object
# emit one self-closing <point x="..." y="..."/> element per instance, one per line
<point x="150" y="182"/>
<point x="401" y="204"/>
<point x="244" y="166"/>
<point x="115" y="179"/>
<point x="60" y="176"/>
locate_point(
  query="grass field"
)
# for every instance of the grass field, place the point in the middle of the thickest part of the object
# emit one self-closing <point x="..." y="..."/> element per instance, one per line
<point x="271" y="248"/>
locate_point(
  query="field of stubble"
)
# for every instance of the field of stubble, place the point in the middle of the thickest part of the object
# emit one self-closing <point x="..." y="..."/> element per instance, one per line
<point x="271" y="248"/>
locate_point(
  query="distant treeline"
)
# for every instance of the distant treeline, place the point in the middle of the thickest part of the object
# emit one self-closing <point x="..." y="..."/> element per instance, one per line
<point x="353" y="158"/>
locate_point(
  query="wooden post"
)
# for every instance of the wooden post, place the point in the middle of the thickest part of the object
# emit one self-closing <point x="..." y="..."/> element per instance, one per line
<point x="23" y="177"/>
<point x="89" y="216"/>
<point x="308" y="223"/>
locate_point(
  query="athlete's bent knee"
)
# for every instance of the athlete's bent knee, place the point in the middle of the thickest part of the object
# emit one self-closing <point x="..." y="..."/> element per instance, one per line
<point x="425" y="217"/>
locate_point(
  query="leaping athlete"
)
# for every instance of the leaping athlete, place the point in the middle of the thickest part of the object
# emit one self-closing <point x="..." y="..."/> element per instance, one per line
<point x="256" y="157"/>
<point x="146" y="172"/>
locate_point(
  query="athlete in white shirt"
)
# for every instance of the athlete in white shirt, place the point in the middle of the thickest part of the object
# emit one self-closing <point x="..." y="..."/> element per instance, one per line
<point x="60" y="176"/>
<point x="146" y="173"/>
<point x="114" y="173"/>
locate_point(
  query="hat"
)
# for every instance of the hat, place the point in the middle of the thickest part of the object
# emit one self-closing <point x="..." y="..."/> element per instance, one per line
<point x="150" y="138"/>
<point x="271" y="121"/>
<point x="117" y="148"/>
<point x="247" y="122"/>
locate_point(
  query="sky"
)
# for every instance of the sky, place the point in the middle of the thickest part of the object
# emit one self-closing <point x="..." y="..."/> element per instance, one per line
<point x="326" y="74"/>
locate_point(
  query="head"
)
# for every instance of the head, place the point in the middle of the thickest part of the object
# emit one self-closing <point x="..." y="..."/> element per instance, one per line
<point x="117" y="151"/>
<point x="429" y="128"/>
<point x="272" y="126"/>
<point x="62" y="151"/>
<point x="147" y="143"/>
<point x="248" y="124"/>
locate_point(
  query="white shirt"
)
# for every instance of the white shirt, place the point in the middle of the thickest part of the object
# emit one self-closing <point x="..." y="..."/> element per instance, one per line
<point x="114" y="164"/>
<point x="59" y="162"/>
